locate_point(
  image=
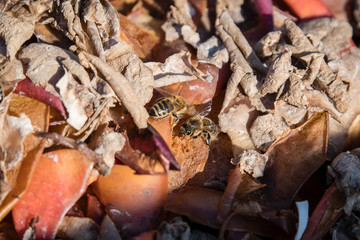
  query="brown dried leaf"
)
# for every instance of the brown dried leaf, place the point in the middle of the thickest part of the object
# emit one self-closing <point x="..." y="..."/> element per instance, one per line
<point x="13" y="33"/>
<point x="125" y="60"/>
<point x="283" y="175"/>
<point x="78" y="228"/>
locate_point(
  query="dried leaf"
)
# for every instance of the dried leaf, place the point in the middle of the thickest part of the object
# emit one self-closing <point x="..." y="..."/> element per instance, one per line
<point x="13" y="33"/>
<point x="326" y="213"/>
<point x="56" y="70"/>
<point x="67" y="173"/>
<point x="122" y="89"/>
<point x="141" y="40"/>
<point x="307" y="144"/>
<point x="125" y="60"/>
<point x="133" y="201"/>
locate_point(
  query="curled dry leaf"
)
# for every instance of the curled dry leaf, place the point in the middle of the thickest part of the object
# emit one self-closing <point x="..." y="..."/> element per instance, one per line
<point x="179" y="24"/>
<point x="124" y="60"/>
<point x="251" y="162"/>
<point x="78" y="228"/>
<point x="132" y="201"/>
<point x="94" y="27"/>
<point x="177" y="68"/>
<point x="66" y="172"/>
<point x="307" y="144"/>
<point x="122" y="89"/>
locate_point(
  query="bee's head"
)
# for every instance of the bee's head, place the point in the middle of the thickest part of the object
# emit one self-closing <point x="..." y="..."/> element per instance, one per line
<point x="184" y="130"/>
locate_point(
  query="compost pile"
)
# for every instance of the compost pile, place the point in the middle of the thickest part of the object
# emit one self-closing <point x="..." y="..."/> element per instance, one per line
<point x="182" y="119"/>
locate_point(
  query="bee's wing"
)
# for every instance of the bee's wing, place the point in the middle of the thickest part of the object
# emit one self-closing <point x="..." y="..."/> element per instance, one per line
<point x="203" y="109"/>
<point x="165" y="93"/>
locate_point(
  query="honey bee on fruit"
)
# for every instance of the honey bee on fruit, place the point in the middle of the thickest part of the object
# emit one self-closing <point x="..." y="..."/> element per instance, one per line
<point x="199" y="126"/>
<point x="175" y="105"/>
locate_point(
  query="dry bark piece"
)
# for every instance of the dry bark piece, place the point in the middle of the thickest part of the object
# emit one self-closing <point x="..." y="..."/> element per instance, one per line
<point x="122" y="89"/>
<point x="266" y="129"/>
<point x="78" y="228"/>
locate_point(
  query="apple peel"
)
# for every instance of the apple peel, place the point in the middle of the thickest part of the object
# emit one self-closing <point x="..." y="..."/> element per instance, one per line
<point x="61" y="177"/>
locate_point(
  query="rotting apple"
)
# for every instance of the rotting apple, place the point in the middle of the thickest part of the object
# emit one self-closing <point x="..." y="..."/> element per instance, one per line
<point x="133" y="201"/>
<point x="58" y="181"/>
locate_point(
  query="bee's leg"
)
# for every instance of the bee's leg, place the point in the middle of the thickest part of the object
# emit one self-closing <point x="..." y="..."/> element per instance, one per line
<point x="197" y="135"/>
<point x="177" y="118"/>
<point x="207" y="137"/>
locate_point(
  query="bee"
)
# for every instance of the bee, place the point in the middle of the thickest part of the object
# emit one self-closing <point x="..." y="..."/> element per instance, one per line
<point x="1" y="93"/>
<point x="175" y="105"/>
<point x="199" y="126"/>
